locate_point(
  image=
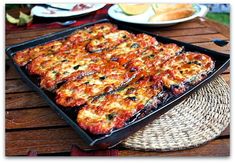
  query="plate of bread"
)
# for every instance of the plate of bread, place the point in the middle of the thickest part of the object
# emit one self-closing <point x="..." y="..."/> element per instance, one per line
<point x="157" y="14"/>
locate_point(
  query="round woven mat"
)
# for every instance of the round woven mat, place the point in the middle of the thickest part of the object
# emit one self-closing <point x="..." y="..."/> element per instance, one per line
<point x="195" y="121"/>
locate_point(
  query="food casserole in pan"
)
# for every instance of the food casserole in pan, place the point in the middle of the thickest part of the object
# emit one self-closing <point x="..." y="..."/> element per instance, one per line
<point x="108" y="80"/>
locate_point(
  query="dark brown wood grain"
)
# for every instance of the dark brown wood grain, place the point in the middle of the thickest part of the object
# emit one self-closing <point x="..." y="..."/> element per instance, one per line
<point x="226" y="132"/>
<point x="33" y="118"/>
<point x="61" y="139"/>
<point x="15" y="86"/>
<point x="180" y="32"/>
<point x="227" y="71"/>
<point x="42" y="117"/>
<point x="200" y="38"/>
<point x="41" y="140"/>
<point x="223" y="29"/>
<point x="213" y="46"/>
<point x="190" y="39"/>
<point x="11" y="73"/>
<point x="219" y="147"/>
<point x="164" y="32"/>
<point x="24" y="100"/>
<point x="32" y="125"/>
<point x="188" y="32"/>
<point x="33" y="33"/>
<point x="196" y="23"/>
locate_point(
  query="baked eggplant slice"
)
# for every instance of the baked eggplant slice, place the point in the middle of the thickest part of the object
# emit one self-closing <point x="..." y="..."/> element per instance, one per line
<point x="78" y="92"/>
<point x="112" y="111"/>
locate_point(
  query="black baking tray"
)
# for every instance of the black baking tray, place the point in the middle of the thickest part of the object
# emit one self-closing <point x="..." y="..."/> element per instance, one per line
<point x="222" y="61"/>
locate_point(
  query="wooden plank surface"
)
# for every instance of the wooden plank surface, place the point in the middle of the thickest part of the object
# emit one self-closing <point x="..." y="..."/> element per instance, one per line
<point x="180" y="32"/>
<point x="219" y="147"/>
<point x="32" y="125"/>
<point x="16" y="86"/>
<point x="32" y="118"/>
<point x="61" y="139"/>
<point x="212" y="46"/>
<point x="41" y="118"/>
<point x="187" y="38"/>
<point x="43" y="141"/>
<point x="24" y="100"/>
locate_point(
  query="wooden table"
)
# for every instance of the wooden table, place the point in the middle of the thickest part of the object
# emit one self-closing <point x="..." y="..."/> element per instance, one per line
<point x="32" y="125"/>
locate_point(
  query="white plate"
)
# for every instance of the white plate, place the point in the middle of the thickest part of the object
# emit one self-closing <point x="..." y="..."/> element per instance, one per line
<point x="115" y="12"/>
<point x="43" y="12"/>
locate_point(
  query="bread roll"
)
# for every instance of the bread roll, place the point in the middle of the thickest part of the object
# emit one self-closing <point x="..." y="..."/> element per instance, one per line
<point x="172" y="15"/>
<point x="164" y="7"/>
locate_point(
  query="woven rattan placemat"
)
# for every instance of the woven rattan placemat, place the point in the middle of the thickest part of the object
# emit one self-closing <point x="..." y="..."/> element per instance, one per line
<point x="195" y="121"/>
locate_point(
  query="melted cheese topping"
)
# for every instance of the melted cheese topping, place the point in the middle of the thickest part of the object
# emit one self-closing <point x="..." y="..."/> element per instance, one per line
<point x="185" y="68"/>
<point x="77" y="92"/>
<point x="112" y="111"/>
<point x="108" y="41"/>
<point x="25" y="56"/>
<point x="137" y="62"/>
<point x="70" y="70"/>
<point x="78" y="37"/>
<point x="151" y="59"/>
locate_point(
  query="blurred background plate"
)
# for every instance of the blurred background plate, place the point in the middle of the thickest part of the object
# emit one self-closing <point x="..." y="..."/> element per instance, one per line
<point x="115" y="12"/>
<point x="50" y="12"/>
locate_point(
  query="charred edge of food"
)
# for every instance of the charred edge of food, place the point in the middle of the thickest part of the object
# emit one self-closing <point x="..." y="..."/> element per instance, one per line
<point x="152" y="105"/>
<point x="71" y="111"/>
<point x="26" y="71"/>
<point x="138" y="115"/>
<point x="60" y="84"/>
<point x="185" y="86"/>
<point x="77" y="108"/>
<point x="198" y="78"/>
<point x="33" y="77"/>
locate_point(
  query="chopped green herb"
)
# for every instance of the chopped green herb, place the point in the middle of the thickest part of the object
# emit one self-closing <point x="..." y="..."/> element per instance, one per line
<point x="66" y="72"/>
<point x="65" y="60"/>
<point x="135" y="45"/>
<point x="102" y="78"/>
<point x="132" y="98"/>
<point x="76" y="67"/>
<point x="151" y="56"/>
<point x="110" y="116"/>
